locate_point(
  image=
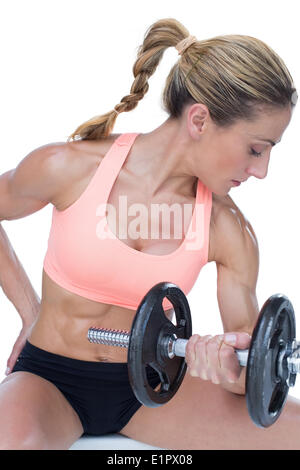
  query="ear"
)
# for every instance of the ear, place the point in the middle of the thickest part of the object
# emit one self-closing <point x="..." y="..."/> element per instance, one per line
<point x="197" y="119"/>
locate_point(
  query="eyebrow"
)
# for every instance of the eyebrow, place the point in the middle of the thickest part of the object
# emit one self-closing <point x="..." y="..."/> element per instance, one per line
<point x="268" y="140"/>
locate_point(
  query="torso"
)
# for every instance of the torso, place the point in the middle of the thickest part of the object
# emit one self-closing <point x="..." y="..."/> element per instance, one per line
<point x="66" y="317"/>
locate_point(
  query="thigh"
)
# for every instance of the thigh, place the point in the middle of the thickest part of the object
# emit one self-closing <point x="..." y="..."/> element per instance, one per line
<point x="35" y="414"/>
<point x="204" y="416"/>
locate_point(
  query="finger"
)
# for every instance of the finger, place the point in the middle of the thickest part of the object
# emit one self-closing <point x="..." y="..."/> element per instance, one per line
<point x="213" y="347"/>
<point x="238" y="340"/>
<point x="229" y="363"/>
<point x="10" y="364"/>
<point x="12" y="361"/>
<point x="190" y="352"/>
<point x="201" y="363"/>
<point x="199" y="366"/>
<point x="18" y="346"/>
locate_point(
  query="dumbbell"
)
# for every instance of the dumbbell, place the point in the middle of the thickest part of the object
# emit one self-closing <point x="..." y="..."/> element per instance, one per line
<point x="272" y="361"/>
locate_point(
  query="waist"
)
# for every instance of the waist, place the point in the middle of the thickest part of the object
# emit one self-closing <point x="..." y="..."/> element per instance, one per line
<point x="66" y="335"/>
<point x="32" y="352"/>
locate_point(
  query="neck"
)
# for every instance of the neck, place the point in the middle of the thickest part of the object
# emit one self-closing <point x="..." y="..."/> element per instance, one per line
<point x="166" y="162"/>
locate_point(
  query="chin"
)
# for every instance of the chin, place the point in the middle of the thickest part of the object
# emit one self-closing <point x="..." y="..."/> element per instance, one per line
<point x="221" y="189"/>
<point x="221" y="192"/>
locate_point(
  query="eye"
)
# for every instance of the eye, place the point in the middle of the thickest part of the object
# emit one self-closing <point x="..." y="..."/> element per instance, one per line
<point x="256" y="154"/>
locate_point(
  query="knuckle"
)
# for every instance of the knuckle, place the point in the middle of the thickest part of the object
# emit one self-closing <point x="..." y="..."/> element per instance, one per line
<point x="194" y="338"/>
<point x="215" y="380"/>
<point x="205" y="339"/>
<point x="190" y="348"/>
<point x="191" y="342"/>
<point x="193" y="372"/>
<point x="211" y="345"/>
<point x="203" y="375"/>
<point x="219" y="339"/>
<point x="226" y="352"/>
<point x="231" y="378"/>
<point x="188" y="352"/>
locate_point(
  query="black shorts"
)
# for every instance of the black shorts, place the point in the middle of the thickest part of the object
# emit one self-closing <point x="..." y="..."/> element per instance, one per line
<point x="99" y="392"/>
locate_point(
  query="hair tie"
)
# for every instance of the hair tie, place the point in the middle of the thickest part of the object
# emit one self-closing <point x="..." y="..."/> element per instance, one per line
<point x="185" y="43"/>
<point x="118" y="112"/>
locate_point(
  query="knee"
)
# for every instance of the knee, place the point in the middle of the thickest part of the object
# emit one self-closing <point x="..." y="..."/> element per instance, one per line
<point x="22" y="436"/>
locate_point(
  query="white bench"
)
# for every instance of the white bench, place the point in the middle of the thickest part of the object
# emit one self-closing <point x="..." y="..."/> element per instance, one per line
<point x="108" y="442"/>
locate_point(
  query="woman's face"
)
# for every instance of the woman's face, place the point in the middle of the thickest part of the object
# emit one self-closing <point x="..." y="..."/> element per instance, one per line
<point x="234" y="154"/>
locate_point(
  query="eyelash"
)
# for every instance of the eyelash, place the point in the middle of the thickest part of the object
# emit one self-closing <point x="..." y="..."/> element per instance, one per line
<point x="256" y="154"/>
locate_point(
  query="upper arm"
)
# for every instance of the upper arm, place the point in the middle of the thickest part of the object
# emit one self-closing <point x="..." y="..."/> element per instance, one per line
<point x="32" y="184"/>
<point x="237" y="259"/>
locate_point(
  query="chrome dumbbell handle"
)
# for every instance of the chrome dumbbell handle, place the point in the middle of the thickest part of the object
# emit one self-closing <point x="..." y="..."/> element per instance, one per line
<point x="294" y="359"/>
<point x="109" y="337"/>
<point x="176" y="346"/>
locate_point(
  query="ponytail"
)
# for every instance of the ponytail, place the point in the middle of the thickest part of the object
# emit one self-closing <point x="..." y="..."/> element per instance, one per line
<point x="161" y="35"/>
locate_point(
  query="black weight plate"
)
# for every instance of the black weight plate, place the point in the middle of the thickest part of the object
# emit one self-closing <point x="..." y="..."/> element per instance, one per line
<point x="149" y="329"/>
<point x="266" y="391"/>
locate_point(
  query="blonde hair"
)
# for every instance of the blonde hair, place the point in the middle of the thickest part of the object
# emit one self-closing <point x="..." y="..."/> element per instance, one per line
<point x="230" y="74"/>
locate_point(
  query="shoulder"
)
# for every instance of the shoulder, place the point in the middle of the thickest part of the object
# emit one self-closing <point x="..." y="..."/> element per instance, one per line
<point x="69" y="156"/>
<point x="36" y="174"/>
<point x="81" y="156"/>
<point x="59" y="166"/>
<point x="233" y="240"/>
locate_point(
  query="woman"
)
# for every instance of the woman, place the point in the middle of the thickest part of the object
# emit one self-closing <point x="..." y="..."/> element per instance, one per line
<point x="229" y="101"/>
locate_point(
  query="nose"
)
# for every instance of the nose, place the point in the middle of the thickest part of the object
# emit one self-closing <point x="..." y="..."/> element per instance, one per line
<point x="259" y="168"/>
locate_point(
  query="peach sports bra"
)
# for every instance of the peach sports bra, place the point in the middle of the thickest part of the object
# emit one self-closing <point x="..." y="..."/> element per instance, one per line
<point x="85" y="257"/>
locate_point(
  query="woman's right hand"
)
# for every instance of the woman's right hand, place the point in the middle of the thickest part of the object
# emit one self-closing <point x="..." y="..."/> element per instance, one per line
<point x="19" y="344"/>
<point x="213" y="357"/>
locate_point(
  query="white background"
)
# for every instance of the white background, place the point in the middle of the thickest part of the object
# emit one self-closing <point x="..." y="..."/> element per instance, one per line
<point x="65" y="61"/>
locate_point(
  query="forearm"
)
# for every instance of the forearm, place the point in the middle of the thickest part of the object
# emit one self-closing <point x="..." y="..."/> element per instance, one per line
<point x="15" y="282"/>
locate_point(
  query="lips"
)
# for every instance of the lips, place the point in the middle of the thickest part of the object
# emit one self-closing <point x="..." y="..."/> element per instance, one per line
<point x="239" y="181"/>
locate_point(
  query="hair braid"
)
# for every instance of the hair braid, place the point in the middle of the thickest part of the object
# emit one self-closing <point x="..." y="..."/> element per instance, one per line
<point x="161" y="35"/>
